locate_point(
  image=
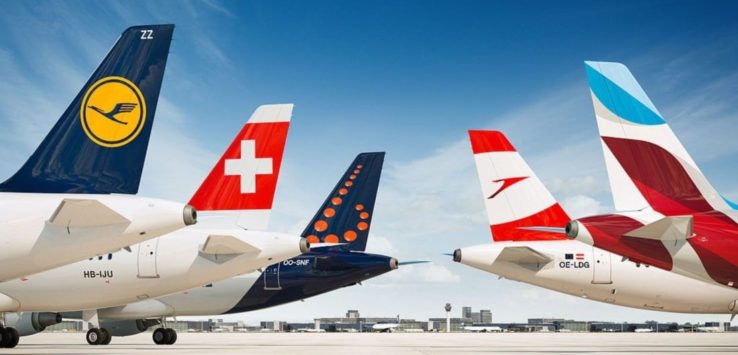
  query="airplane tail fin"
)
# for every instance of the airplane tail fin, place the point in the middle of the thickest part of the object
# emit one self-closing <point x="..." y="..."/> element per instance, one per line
<point x="519" y="207"/>
<point x="99" y="144"/>
<point x="245" y="178"/>
<point x="346" y="215"/>
<point x="646" y="163"/>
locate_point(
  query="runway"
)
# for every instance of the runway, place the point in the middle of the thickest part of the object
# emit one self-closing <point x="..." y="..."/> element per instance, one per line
<point x="395" y="343"/>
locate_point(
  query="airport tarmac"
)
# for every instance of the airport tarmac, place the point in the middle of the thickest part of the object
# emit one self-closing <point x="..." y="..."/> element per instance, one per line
<point x="394" y="343"/>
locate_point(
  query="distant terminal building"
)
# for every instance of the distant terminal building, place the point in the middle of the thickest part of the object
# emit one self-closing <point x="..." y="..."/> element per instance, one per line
<point x="559" y="324"/>
<point x="65" y="326"/>
<point x="214" y="325"/>
<point x="353" y="322"/>
<point x="466" y="312"/>
<point x="468" y="318"/>
<point x="457" y="324"/>
<point x="484" y="316"/>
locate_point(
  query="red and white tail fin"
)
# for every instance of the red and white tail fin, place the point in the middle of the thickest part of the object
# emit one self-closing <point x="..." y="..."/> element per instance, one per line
<point x="519" y="207"/>
<point x="646" y="163"/>
<point x="245" y="178"/>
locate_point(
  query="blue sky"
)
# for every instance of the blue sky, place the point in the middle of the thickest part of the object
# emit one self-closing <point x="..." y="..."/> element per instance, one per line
<point x="405" y="77"/>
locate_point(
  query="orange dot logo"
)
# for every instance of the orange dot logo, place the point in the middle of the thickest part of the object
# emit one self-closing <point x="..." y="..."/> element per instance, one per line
<point x="313" y="239"/>
<point x="362" y="226"/>
<point x="356" y="171"/>
<point x="336" y="201"/>
<point x="321" y="225"/>
<point x="349" y="236"/>
<point x="348" y="183"/>
<point x="329" y="212"/>
<point x="359" y="166"/>
<point x="359" y="207"/>
<point x="331" y="238"/>
<point x="364" y="215"/>
<point x="343" y="191"/>
<point x="352" y="177"/>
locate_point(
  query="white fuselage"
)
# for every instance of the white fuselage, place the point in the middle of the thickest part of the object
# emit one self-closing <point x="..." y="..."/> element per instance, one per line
<point x="216" y="298"/>
<point x="30" y="244"/>
<point x="602" y="276"/>
<point x="151" y="269"/>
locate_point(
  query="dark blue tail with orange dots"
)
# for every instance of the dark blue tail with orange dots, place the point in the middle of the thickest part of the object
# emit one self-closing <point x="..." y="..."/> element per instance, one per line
<point x="346" y="215"/>
<point x="99" y="144"/>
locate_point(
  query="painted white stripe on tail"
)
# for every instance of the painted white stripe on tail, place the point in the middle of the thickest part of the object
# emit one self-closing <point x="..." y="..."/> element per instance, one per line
<point x="514" y="197"/>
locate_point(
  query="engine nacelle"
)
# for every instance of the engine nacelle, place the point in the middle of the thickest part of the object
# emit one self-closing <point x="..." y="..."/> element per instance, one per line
<point x="29" y="323"/>
<point x="122" y="328"/>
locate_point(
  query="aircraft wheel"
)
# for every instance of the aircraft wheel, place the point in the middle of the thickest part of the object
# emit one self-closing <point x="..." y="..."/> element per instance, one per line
<point x="14" y="337"/>
<point x="4" y="337"/>
<point x="172" y="336"/>
<point x="94" y="336"/>
<point x="161" y="336"/>
<point x="106" y="337"/>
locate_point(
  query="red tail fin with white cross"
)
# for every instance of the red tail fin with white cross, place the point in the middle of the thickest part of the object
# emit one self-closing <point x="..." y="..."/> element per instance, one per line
<point x="245" y="178"/>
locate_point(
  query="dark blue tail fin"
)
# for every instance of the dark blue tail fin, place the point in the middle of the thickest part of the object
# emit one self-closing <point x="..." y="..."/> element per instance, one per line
<point x="346" y="215"/>
<point x="99" y="143"/>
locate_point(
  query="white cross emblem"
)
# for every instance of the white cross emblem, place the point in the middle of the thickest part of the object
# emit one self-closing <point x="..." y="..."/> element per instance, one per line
<point x="248" y="166"/>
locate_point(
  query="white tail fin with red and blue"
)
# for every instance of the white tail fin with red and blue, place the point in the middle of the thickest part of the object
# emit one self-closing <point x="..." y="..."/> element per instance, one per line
<point x="646" y="164"/>
<point x="519" y="207"/>
<point x="245" y="178"/>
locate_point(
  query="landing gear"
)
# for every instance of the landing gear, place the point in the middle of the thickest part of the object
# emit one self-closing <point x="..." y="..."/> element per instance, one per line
<point x="164" y="336"/>
<point x="107" y="338"/>
<point x="172" y="336"/>
<point x="8" y="337"/>
<point x="98" y="336"/>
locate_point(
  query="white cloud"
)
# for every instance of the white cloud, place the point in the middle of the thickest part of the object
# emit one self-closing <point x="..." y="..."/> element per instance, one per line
<point x="576" y="185"/>
<point x="176" y="163"/>
<point x="218" y="7"/>
<point x="380" y="245"/>
<point x="581" y="206"/>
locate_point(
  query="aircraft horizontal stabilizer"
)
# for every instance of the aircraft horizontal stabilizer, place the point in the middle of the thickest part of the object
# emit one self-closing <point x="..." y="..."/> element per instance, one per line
<point x="412" y="262"/>
<point x="226" y="245"/>
<point x="83" y="213"/>
<point x="667" y="228"/>
<point x="523" y="256"/>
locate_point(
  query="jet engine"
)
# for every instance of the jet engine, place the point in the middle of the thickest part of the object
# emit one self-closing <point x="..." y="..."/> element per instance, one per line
<point x="29" y="323"/>
<point x="122" y="328"/>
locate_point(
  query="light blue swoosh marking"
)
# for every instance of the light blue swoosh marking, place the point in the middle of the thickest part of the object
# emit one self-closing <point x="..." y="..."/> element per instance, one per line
<point x="619" y="101"/>
<point x="730" y="203"/>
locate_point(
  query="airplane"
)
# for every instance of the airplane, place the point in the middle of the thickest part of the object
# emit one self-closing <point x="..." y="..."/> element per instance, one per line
<point x="310" y="330"/>
<point x="669" y="216"/>
<point x="348" y="211"/>
<point x="386" y="327"/>
<point x="528" y="245"/>
<point x="244" y="178"/>
<point x="483" y="329"/>
<point x="75" y="195"/>
<point x="704" y="329"/>
<point x="643" y="330"/>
